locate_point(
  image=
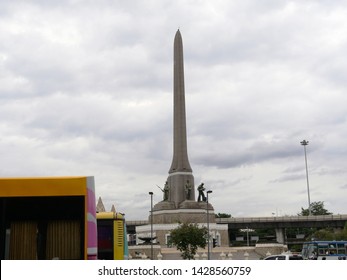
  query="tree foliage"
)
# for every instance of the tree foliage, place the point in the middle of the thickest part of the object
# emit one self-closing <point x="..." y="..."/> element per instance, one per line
<point x="188" y="238"/>
<point x="330" y="234"/>
<point x="223" y="215"/>
<point x="317" y="208"/>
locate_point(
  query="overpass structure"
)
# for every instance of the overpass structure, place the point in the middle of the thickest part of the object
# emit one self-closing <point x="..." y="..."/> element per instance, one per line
<point x="278" y="223"/>
<point x="283" y="222"/>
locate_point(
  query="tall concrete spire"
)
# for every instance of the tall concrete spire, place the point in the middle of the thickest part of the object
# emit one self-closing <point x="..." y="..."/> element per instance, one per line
<point x="179" y="204"/>
<point x="180" y="160"/>
<point x="180" y="172"/>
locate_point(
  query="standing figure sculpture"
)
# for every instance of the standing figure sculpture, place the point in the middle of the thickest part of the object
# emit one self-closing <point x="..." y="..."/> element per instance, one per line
<point x="201" y="196"/>
<point x="165" y="191"/>
<point x="188" y="188"/>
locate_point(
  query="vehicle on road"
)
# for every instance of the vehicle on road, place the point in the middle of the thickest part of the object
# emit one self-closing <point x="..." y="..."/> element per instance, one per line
<point x="112" y="236"/>
<point x="324" y="250"/>
<point x="285" y="257"/>
<point x="48" y="218"/>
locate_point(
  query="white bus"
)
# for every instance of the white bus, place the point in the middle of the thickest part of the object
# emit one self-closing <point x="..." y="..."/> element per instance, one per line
<point x="324" y="250"/>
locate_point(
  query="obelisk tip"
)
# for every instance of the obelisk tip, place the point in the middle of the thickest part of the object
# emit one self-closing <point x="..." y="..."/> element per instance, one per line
<point x="178" y="35"/>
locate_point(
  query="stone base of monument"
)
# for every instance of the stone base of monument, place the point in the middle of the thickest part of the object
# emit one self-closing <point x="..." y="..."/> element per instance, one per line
<point x="144" y="252"/>
<point x="162" y="232"/>
<point x="164" y="205"/>
<point x="188" y="211"/>
<point x="194" y="216"/>
<point x="166" y="217"/>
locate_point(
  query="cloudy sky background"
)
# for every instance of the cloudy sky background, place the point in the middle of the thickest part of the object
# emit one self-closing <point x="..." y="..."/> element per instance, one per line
<point x="86" y="89"/>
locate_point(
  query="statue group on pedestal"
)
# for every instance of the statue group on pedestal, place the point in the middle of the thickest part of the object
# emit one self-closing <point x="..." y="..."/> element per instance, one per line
<point x="188" y="190"/>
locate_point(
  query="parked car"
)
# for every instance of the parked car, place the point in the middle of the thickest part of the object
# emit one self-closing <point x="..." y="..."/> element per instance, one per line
<point x="285" y="257"/>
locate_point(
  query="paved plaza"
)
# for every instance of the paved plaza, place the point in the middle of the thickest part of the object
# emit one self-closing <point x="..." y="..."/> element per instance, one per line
<point x="227" y="253"/>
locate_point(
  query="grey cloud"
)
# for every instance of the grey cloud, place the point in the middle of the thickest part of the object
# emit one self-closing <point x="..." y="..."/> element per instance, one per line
<point x="86" y="87"/>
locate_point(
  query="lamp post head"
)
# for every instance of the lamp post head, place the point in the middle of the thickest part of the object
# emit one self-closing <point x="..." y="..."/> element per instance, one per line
<point x="150" y="193"/>
<point x="304" y="142"/>
<point x="209" y="191"/>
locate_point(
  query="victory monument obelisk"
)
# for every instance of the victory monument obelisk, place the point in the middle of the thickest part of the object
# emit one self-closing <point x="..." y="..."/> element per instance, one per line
<point x="181" y="174"/>
<point x="179" y="204"/>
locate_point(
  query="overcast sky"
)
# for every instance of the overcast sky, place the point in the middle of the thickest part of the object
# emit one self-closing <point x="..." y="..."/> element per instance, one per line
<point x="86" y="89"/>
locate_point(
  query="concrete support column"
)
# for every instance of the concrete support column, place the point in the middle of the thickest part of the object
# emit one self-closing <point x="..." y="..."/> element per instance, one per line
<point x="280" y="235"/>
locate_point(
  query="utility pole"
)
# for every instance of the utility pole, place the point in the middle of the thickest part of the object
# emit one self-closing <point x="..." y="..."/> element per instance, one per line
<point x="305" y="143"/>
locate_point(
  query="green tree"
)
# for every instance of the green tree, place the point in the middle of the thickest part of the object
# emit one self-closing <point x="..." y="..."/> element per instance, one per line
<point x="323" y="234"/>
<point x="330" y="234"/>
<point x="188" y="238"/>
<point x="223" y="215"/>
<point x="342" y="235"/>
<point x="317" y="208"/>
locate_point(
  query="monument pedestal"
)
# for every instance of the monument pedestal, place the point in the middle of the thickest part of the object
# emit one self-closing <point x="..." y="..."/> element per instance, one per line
<point x="166" y="218"/>
<point x="189" y="211"/>
<point x="162" y="233"/>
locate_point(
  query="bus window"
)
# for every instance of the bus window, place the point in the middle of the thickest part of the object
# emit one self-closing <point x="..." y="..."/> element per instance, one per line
<point x="322" y="248"/>
<point x="341" y="249"/>
<point x="105" y="240"/>
<point x="332" y="249"/>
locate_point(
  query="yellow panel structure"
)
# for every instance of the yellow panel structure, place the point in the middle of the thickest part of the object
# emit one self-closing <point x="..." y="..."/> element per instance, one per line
<point x="48" y="217"/>
<point x="117" y="222"/>
<point x="118" y="230"/>
<point x="42" y="186"/>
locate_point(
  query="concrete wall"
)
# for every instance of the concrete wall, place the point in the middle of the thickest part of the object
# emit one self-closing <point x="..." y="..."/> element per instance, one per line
<point x="272" y="249"/>
<point x="139" y="251"/>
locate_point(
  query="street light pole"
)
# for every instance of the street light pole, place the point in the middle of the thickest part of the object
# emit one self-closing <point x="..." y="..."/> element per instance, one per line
<point x="247" y="237"/>
<point x="208" y="227"/>
<point x="151" y="194"/>
<point x="305" y="143"/>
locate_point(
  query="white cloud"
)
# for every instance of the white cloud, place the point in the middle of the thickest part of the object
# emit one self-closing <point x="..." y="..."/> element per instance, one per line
<point x="86" y="89"/>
